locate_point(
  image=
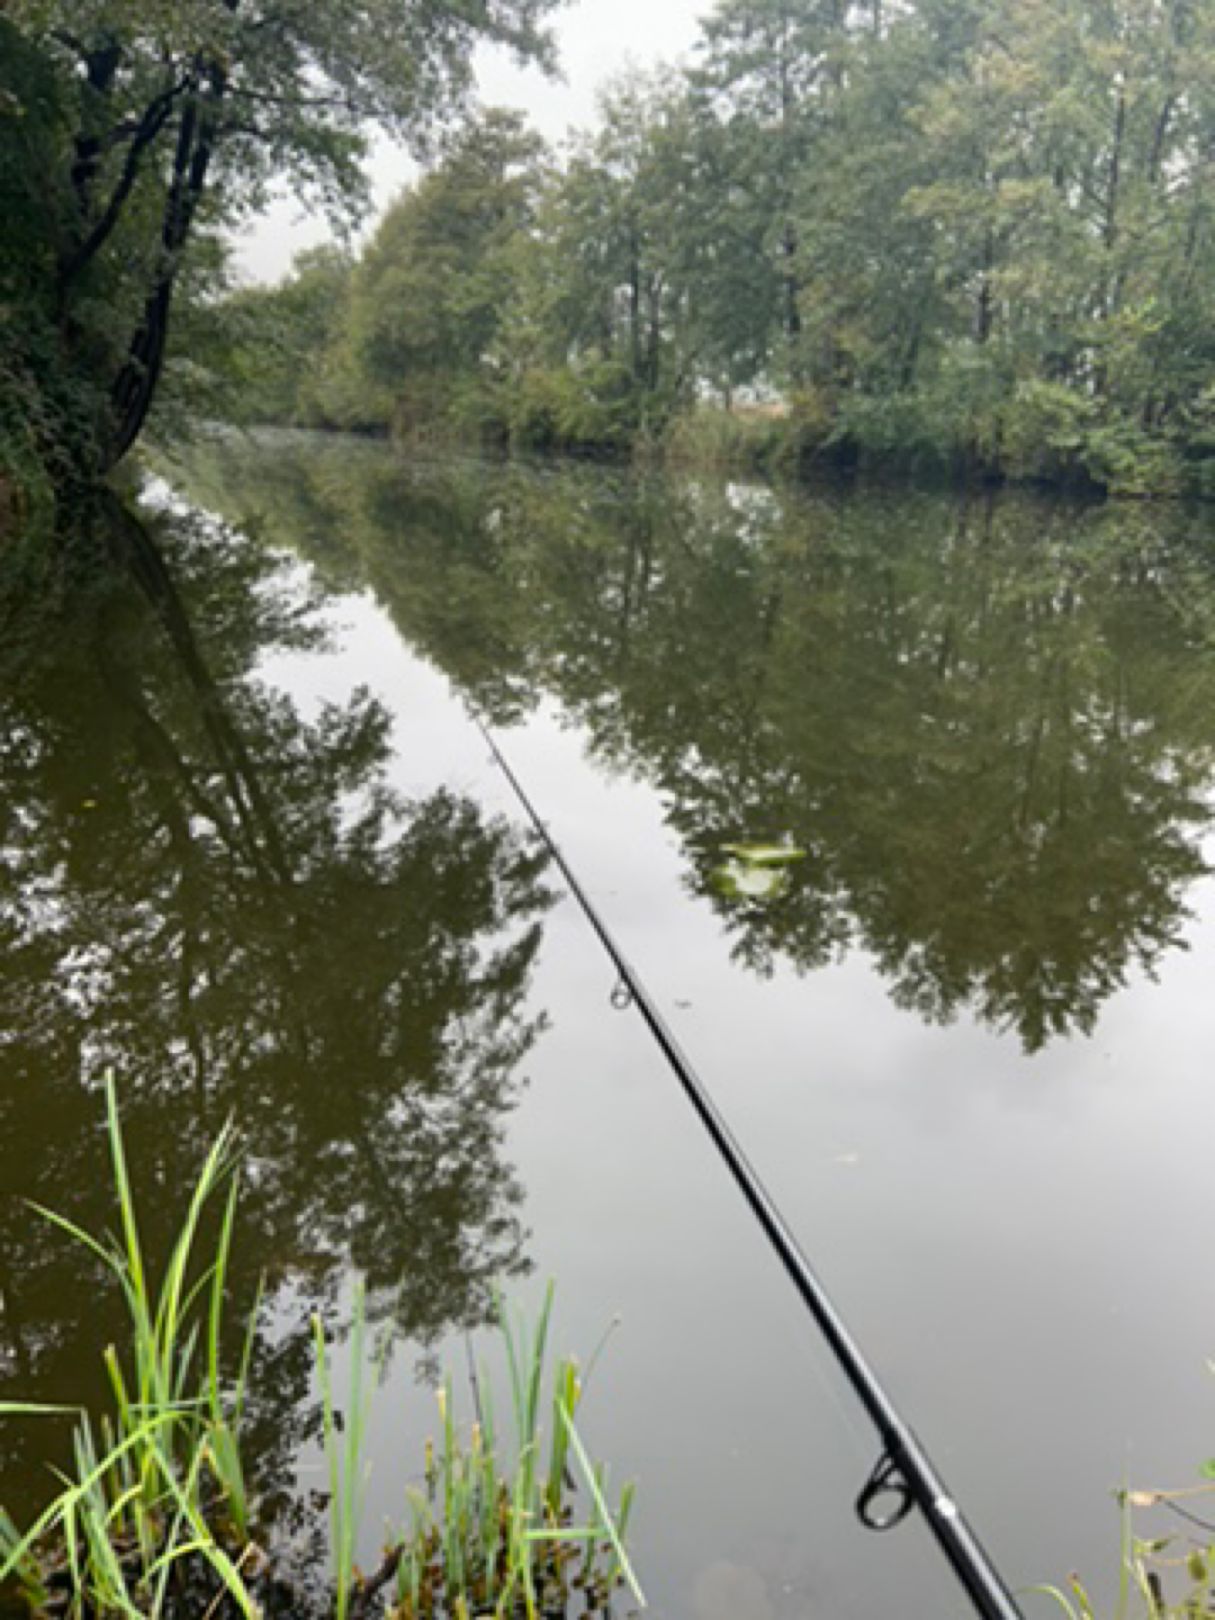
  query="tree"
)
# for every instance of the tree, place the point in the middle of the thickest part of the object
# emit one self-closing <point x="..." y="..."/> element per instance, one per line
<point x="427" y="299"/>
<point x="1015" y="196"/>
<point x="769" y="72"/>
<point x="273" y="337"/>
<point x="597" y="337"/>
<point x="957" y="233"/>
<point x="177" y="117"/>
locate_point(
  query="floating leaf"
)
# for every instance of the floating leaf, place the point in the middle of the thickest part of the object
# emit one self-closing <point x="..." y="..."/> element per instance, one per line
<point x="765" y="854"/>
<point x="739" y="881"/>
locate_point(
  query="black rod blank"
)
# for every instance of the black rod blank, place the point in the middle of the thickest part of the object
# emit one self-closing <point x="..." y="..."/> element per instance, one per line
<point x="905" y="1472"/>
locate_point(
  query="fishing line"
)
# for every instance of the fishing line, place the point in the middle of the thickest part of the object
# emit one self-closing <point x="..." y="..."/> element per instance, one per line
<point x="903" y="1477"/>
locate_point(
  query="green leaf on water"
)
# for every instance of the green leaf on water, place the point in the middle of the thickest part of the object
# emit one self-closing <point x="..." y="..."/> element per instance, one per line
<point x="1208" y="1468"/>
<point x="739" y="881"/>
<point x="765" y="854"/>
<point x="755" y="871"/>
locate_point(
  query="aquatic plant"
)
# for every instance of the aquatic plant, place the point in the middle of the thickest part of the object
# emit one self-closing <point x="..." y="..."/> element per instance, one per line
<point x="156" y="1515"/>
<point x="1150" y="1565"/>
<point x="756" y="872"/>
<point x="345" y="1453"/>
<point x="159" y="1481"/>
<point x="491" y="1531"/>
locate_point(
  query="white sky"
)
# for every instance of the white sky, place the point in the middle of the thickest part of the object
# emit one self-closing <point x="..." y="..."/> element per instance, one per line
<point x="596" y="39"/>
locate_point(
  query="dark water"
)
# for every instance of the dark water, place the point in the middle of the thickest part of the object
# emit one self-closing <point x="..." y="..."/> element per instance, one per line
<point x="253" y="856"/>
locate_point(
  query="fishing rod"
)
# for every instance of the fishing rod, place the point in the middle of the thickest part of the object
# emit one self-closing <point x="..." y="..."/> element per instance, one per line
<point x="904" y="1476"/>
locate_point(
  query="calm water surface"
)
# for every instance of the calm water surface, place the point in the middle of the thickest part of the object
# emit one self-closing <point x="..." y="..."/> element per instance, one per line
<point x="253" y="856"/>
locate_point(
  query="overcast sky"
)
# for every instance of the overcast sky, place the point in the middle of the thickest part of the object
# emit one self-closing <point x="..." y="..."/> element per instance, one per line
<point x="596" y="39"/>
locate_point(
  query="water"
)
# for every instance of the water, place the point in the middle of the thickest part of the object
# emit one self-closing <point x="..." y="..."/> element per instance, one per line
<point x="255" y="857"/>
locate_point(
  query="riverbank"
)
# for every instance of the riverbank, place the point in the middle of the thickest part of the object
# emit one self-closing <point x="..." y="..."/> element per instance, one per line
<point x="783" y="444"/>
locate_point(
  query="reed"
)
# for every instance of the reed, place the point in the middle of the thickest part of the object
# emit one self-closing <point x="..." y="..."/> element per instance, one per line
<point x="493" y="1532"/>
<point x="157" y="1491"/>
<point x="152" y="1482"/>
<point x="345" y="1452"/>
<point x="1162" y="1577"/>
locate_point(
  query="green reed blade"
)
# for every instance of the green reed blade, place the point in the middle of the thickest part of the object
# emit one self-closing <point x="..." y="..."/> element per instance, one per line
<point x="241" y="1383"/>
<point x="122" y="1184"/>
<point x="346" y="1465"/>
<point x="215" y="1555"/>
<point x="601" y="1507"/>
<point x="538" y="1349"/>
<point x="565" y="1393"/>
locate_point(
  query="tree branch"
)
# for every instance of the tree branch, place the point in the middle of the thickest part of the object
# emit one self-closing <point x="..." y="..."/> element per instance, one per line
<point x="153" y="121"/>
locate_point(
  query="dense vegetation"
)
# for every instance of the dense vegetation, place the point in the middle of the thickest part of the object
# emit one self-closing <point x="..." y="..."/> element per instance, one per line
<point x="133" y="133"/>
<point x="925" y="232"/>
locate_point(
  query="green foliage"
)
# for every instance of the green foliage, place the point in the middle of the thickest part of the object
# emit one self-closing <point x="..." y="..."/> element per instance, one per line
<point x="162" y="1486"/>
<point x="44" y="409"/>
<point x="503" y="300"/>
<point x="345" y="1450"/>
<point x="492" y="1532"/>
<point x="132" y="132"/>
<point x="274" y="338"/>
<point x="711" y="436"/>
<point x="31" y="134"/>
<point x="427" y="299"/>
<point x="591" y="406"/>
<point x="1161" y="1577"/>
<point x="600" y="295"/>
<point x="948" y="237"/>
<point x="1006" y="247"/>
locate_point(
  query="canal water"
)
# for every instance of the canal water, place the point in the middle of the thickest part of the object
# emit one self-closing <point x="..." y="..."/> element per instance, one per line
<point x="255" y="858"/>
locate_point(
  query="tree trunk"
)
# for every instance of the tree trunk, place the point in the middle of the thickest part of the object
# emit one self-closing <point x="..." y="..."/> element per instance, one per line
<point x="1113" y="187"/>
<point x="984" y="306"/>
<point x="635" y="311"/>
<point x="135" y="386"/>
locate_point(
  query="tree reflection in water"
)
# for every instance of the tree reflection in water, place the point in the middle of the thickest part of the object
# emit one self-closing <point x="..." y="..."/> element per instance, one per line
<point x="988" y="722"/>
<point x="225" y="901"/>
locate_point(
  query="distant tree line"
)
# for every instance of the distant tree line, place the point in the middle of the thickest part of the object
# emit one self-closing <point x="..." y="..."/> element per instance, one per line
<point x="923" y="233"/>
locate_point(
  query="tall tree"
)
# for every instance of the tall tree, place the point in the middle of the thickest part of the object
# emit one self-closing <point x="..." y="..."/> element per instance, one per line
<point x="600" y="299"/>
<point x="274" y="335"/>
<point x="768" y="72"/>
<point x="428" y="297"/>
